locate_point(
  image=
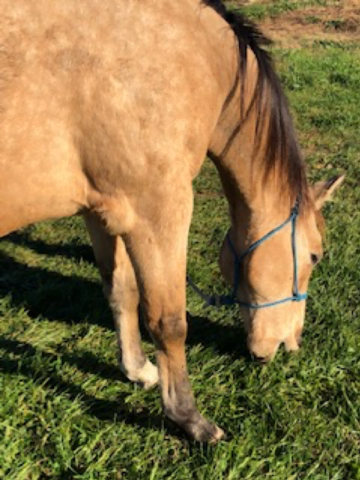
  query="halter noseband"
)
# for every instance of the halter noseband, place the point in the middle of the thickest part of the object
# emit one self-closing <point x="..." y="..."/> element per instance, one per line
<point x="217" y="300"/>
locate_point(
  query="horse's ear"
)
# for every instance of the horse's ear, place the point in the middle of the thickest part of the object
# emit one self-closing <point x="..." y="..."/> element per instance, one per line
<point x="323" y="191"/>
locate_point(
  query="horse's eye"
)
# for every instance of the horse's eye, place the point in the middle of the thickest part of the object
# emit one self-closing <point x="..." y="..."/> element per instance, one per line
<point x="314" y="259"/>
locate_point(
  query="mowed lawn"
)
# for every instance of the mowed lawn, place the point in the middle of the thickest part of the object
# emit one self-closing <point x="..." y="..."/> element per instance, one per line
<point x="66" y="411"/>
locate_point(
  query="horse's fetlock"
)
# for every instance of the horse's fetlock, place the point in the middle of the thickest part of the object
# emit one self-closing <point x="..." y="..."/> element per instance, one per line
<point x="195" y="424"/>
<point x="147" y="375"/>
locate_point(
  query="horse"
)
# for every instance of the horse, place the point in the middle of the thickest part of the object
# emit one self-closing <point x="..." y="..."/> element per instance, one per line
<point x="107" y="110"/>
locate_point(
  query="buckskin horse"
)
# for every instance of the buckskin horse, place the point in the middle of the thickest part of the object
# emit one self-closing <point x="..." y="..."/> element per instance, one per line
<point x="108" y="109"/>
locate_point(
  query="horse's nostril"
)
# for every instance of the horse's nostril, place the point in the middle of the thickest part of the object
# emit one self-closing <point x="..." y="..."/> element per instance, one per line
<point x="261" y="360"/>
<point x="264" y="350"/>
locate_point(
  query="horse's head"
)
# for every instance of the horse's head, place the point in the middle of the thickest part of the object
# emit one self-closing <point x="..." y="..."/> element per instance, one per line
<point x="271" y="273"/>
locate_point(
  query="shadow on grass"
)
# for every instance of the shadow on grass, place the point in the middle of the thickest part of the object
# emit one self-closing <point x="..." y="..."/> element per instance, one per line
<point x="21" y="358"/>
<point x="51" y="295"/>
<point x="74" y="300"/>
<point x="71" y="251"/>
<point x="223" y="339"/>
<point x="102" y="409"/>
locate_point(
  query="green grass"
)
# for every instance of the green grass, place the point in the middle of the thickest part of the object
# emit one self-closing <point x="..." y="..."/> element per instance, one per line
<point x="66" y="412"/>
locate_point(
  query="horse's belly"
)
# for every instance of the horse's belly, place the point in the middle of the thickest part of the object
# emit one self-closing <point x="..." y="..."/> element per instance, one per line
<point x="40" y="176"/>
<point x="28" y="196"/>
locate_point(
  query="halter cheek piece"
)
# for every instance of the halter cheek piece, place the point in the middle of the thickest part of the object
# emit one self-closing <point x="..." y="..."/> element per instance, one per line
<point x="216" y="300"/>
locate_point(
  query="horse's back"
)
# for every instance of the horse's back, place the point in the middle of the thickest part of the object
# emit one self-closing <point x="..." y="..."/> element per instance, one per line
<point x="100" y="100"/>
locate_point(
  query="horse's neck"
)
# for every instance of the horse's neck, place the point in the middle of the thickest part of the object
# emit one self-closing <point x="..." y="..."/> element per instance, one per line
<point x="255" y="206"/>
<point x="254" y="145"/>
<point x="241" y="169"/>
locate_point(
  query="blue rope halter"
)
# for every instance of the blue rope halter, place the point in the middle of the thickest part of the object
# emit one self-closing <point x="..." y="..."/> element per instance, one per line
<point x="218" y="300"/>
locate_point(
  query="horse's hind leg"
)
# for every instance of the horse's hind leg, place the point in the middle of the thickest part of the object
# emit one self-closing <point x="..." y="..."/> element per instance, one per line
<point x="158" y="250"/>
<point x="122" y="292"/>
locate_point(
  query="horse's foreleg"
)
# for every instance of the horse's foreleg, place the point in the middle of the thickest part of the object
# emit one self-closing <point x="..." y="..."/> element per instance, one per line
<point x="158" y="252"/>
<point x="122" y="292"/>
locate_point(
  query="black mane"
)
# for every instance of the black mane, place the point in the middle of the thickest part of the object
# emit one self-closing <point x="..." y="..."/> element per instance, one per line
<point x="282" y="148"/>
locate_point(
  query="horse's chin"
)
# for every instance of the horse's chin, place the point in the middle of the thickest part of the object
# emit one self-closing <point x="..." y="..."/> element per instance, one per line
<point x="264" y="350"/>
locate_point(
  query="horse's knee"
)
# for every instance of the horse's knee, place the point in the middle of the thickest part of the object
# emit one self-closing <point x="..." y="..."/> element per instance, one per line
<point x="168" y="327"/>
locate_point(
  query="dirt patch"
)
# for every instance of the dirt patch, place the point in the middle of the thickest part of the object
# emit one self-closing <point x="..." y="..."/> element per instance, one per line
<point x="339" y="23"/>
